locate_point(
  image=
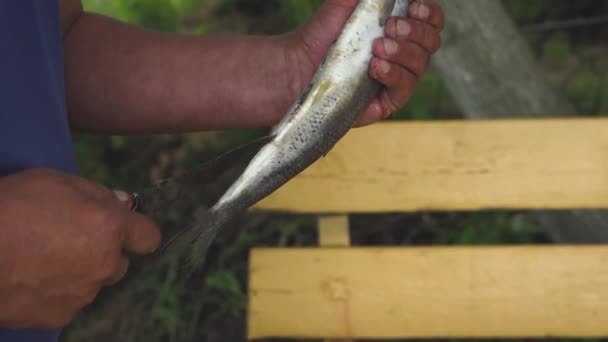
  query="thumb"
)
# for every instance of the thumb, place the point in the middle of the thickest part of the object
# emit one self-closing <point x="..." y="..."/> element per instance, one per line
<point x="124" y="197"/>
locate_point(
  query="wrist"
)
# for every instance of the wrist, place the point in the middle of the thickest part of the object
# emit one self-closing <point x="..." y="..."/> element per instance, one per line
<point x="299" y="66"/>
<point x="296" y="70"/>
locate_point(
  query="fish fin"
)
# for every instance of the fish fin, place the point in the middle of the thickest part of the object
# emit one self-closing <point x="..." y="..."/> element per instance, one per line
<point x="239" y="155"/>
<point x="193" y="193"/>
<point x="195" y="241"/>
<point x="202" y="185"/>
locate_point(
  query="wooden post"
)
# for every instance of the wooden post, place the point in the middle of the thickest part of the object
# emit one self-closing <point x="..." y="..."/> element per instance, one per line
<point x="334" y="231"/>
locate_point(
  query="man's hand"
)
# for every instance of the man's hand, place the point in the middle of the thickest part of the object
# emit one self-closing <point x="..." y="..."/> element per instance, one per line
<point x="62" y="239"/>
<point x="401" y="58"/>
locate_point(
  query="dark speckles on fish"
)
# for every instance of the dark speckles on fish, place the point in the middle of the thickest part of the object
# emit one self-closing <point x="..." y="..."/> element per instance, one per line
<point x="339" y="93"/>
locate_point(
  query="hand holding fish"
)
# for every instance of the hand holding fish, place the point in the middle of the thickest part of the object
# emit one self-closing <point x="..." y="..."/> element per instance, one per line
<point x="401" y="58"/>
<point x="359" y="65"/>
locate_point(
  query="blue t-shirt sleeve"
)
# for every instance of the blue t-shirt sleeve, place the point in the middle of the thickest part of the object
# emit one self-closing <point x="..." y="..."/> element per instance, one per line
<point x="34" y="130"/>
<point x="29" y="335"/>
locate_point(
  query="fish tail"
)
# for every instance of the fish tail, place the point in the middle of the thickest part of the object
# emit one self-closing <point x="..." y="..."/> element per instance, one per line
<point x="195" y="241"/>
<point x="212" y="222"/>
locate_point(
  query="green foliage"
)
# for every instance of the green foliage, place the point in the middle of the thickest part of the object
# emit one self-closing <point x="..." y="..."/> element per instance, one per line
<point x="298" y="11"/>
<point x="557" y="50"/>
<point x="586" y="88"/>
<point x="489" y="228"/>
<point x="537" y="10"/>
<point x="158" y="14"/>
<point x="163" y="15"/>
<point x="226" y="293"/>
<point x="526" y="10"/>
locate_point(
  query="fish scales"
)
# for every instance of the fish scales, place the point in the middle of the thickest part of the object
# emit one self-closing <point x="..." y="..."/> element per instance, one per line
<point x="338" y="94"/>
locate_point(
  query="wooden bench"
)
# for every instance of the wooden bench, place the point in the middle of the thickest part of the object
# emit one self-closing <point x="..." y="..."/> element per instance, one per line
<point x="340" y="292"/>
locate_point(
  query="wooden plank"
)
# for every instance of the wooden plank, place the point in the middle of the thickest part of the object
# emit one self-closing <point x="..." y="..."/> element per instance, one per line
<point x="429" y="292"/>
<point x="334" y="231"/>
<point x="458" y="165"/>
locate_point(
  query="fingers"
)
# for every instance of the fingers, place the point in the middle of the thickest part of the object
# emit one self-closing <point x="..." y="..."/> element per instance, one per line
<point x="123" y="197"/>
<point x="390" y="75"/>
<point x="374" y="113"/>
<point x="405" y="54"/>
<point x="428" y="11"/>
<point x="405" y="30"/>
<point x="399" y="83"/>
<point x="403" y="57"/>
<point x="119" y="272"/>
<point x="91" y="190"/>
<point x="141" y="235"/>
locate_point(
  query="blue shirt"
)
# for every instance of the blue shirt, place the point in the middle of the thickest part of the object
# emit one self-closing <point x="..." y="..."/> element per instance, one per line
<point x="34" y="130"/>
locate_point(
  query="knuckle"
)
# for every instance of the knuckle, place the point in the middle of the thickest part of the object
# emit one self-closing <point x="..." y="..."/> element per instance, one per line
<point x="99" y="191"/>
<point x="107" y="267"/>
<point x="425" y="64"/>
<point x="407" y="87"/>
<point x="45" y="179"/>
<point x="89" y="297"/>
<point x="420" y="67"/>
<point x="439" y="16"/>
<point x="438" y="44"/>
<point x="428" y="37"/>
<point x="102" y="220"/>
<point x="155" y="239"/>
<point x="419" y="31"/>
<point x="104" y="264"/>
<point x="417" y="64"/>
<point x="435" y="41"/>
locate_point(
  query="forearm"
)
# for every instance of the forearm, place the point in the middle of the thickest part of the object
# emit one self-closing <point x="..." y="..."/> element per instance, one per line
<point x="124" y="79"/>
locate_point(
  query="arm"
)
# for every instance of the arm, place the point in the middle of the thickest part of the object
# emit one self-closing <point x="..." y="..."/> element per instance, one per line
<point x="124" y="79"/>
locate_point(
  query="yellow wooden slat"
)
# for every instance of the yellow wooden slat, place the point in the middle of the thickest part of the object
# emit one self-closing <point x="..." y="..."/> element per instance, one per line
<point x="429" y="292"/>
<point x="334" y="231"/>
<point x="458" y="165"/>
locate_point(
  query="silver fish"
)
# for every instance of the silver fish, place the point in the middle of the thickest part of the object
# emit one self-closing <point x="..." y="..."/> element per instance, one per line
<point x="340" y="91"/>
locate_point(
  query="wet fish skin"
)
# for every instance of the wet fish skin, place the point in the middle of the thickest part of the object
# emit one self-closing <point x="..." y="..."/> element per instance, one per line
<point x="341" y="90"/>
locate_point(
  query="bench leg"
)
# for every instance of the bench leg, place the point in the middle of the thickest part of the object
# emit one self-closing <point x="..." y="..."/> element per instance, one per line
<point x="334" y="232"/>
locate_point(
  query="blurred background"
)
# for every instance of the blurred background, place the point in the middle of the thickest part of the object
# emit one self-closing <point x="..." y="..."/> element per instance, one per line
<point x="564" y="44"/>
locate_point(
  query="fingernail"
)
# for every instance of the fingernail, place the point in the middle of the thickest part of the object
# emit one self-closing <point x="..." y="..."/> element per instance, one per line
<point x="403" y="28"/>
<point x="390" y="47"/>
<point x="422" y="11"/>
<point x="122" y="196"/>
<point x="385" y="67"/>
